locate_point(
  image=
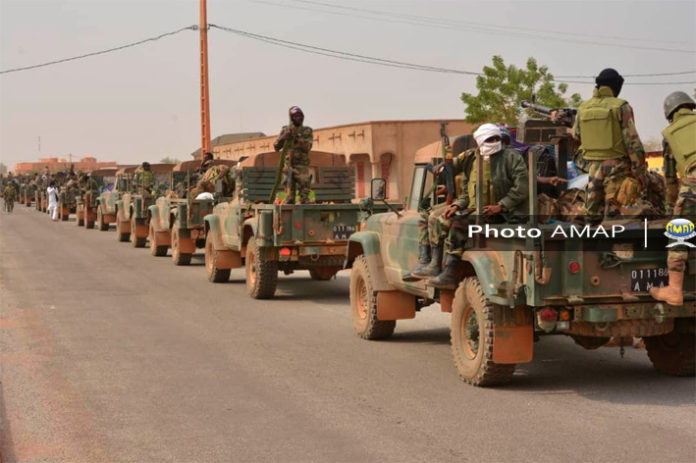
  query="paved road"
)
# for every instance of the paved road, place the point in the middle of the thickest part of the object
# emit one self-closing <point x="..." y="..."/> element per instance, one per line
<point x="109" y="354"/>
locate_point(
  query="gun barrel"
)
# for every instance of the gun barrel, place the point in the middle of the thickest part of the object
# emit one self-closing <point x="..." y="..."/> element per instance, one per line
<point x="536" y="107"/>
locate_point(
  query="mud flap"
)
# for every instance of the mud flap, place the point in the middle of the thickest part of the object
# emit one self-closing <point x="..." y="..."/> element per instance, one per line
<point x="513" y="338"/>
<point x="395" y="305"/>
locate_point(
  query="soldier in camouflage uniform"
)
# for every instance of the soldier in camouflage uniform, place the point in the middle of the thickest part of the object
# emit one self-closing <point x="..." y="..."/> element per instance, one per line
<point x="299" y="139"/>
<point x="505" y="196"/>
<point x="144" y="179"/>
<point x="433" y="226"/>
<point x="680" y="157"/>
<point x="610" y="145"/>
<point x="9" y="195"/>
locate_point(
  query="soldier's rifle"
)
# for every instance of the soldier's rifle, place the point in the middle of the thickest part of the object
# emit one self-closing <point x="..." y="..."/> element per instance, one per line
<point x="559" y="116"/>
<point x="281" y="166"/>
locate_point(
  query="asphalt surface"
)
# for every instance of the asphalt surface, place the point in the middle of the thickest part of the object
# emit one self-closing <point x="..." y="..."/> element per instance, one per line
<point x="110" y="354"/>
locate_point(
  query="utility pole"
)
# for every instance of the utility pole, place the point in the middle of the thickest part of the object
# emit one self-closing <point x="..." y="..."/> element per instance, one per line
<point x="205" y="93"/>
<point x="39" y="144"/>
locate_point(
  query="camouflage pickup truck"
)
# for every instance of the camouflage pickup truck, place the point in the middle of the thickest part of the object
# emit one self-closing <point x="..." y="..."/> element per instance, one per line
<point x="88" y="201"/>
<point x="268" y="238"/>
<point x="27" y="193"/>
<point x="132" y="217"/>
<point x="176" y="219"/>
<point x="590" y="283"/>
<point x="106" y="202"/>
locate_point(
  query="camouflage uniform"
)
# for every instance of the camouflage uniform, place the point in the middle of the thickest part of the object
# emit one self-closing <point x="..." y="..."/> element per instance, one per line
<point x="144" y="180"/>
<point x="9" y="195"/>
<point x="509" y="187"/>
<point x="299" y="140"/>
<point x="207" y="182"/>
<point x="682" y="197"/>
<point x="607" y="175"/>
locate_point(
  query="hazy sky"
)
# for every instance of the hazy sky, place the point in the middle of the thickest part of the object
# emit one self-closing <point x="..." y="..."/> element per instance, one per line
<point x="143" y="103"/>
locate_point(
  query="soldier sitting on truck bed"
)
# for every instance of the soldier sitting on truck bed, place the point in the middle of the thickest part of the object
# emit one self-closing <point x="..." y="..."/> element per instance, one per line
<point x="504" y="196"/>
<point x="144" y="179"/>
<point x="209" y="176"/>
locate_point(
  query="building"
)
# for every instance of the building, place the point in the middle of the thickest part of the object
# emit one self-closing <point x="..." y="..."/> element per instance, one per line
<point x="229" y="138"/>
<point x="86" y="164"/>
<point x="376" y="149"/>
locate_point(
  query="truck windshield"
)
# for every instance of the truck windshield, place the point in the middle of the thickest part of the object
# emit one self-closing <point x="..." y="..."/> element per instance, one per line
<point x="417" y="188"/>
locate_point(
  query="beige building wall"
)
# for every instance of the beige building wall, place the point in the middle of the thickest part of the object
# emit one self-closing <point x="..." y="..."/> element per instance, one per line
<point x="375" y="149"/>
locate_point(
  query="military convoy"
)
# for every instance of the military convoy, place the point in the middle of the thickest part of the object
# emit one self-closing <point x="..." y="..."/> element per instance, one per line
<point x="513" y="285"/>
<point x="107" y="199"/>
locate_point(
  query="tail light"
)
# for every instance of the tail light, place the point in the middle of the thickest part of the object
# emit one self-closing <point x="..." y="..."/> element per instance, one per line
<point x="574" y="267"/>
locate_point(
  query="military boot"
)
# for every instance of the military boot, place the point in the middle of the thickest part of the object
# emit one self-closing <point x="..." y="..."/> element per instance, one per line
<point x="672" y="294"/>
<point x="448" y="278"/>
<point x="423" y="261"/>
<point x="433" y="268"/>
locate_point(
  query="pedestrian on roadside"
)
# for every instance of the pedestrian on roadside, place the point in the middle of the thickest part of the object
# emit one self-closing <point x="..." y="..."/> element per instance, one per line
<point x="52" y="194"/>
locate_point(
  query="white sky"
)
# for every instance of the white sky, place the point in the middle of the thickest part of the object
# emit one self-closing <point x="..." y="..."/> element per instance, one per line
<point x="143" y="103"/>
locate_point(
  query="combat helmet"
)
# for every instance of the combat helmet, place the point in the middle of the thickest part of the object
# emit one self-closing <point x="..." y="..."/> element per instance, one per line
<point x="676" y="99"/>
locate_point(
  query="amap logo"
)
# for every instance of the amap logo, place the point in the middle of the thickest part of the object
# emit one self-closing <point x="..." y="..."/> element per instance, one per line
<point x="680" y="230"/>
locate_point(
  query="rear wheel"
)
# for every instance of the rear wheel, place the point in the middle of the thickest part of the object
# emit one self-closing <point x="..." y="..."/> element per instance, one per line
<point x="155" y="250"/>
<point x="673" y="353"/>
<point x="589" y="342"/>
<point x="103" y="226"/>
<point x="65" y="214"/>
<point x="363" y="304"/>
<point x="322" y="273"/>
<point x="472" y="334"/>
<point x="261" y="275"/>
<point x="178" y="257"/>
<point x="121" y="236"/>
<point x="215" y="274"/>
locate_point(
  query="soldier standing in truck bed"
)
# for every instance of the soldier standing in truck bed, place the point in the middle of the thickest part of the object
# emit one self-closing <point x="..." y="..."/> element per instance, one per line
<point x="299" y="139"/>
<point x="680" y="157"/>
<point x="610" y="145"/>
<point x="144" y="179"/>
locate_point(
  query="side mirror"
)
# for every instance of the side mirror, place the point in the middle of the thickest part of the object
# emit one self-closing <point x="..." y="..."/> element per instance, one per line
<point x="378" y="189"/>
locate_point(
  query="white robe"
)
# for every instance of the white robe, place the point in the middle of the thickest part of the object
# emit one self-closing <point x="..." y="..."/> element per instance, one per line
<point x="52" y="194"/>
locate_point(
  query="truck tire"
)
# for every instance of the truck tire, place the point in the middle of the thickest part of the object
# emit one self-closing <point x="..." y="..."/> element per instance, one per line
<point x="471" y="334"/>
<point x="137" y="242"/>
<point x="322" y="273"/>
<point x="363" y="304"/>
<point x="155" y="250"/>
<point x="178" y="257"/>
<point x="673" y="353"/>
<point x="215" y="274"/>
<point x="261" y="275"/>
<point x="65" y="215"/>
<point x="103" y="226"/>
<point x="88" y="223"/>
<point x="80" y="222"/>
<point x="121" y="236"/>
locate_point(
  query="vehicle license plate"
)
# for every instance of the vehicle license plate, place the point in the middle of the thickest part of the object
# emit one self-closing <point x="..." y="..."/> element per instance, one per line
<point x="343" y="232"/>
<point x="642" y="279"/>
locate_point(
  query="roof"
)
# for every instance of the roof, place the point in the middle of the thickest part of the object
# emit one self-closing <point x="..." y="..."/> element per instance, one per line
<point x="228" y="138"/>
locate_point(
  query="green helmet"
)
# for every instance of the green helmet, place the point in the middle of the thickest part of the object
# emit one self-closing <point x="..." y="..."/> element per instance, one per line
<point x="676" y="99"/>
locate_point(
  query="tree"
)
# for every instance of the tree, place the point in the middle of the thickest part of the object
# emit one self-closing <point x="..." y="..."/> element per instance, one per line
<point x="169" y="160"/>
<point x="503" y="88"/>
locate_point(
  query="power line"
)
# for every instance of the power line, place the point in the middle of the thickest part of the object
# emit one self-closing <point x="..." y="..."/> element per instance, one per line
<point x="485" y="28"/>
<point x="436" y="20"/>
<point x="349" y="56"/>
<point x="101" y="52"/>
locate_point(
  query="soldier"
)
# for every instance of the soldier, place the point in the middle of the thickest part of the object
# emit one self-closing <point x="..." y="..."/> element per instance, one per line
<point x="680" y="157"/>
<point x="433" y="227"/>
<point x="505" y="196"/>
<point x="9" y="194"/>
<point x="144" y="179"/>
<point x="610" y="145"/>
<point x="295" y="140"/>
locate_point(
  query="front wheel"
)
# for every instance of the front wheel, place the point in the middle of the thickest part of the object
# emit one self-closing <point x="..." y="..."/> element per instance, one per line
<point x="261" y="275"/>
<point x="363" y="304"/>
<point x="673" y="353"/>
<point x="215" y="274"/>
<point x="178" y="257"/>
<point x="472" y="334"/>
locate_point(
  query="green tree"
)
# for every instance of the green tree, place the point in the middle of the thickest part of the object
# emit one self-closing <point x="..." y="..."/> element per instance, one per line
<point x="169" y="160"/>
<point x="503" y="88"/>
